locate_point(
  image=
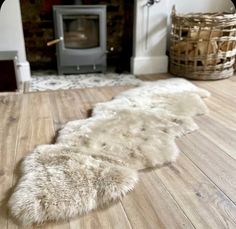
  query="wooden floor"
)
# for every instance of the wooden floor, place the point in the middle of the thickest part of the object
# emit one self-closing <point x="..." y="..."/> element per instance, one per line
<point x="198" y="191"/>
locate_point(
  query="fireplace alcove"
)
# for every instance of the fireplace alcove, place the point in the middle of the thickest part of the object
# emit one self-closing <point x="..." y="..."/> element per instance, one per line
<point x="37" y="18"/>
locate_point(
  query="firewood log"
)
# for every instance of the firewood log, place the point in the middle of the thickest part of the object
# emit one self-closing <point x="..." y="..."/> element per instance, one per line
<point x="201" y="50"/>
<point x="206" y="47"/>
<point x="204" y="34"/>
<point x="227" y="44"/>
<point x="182" y="47"/>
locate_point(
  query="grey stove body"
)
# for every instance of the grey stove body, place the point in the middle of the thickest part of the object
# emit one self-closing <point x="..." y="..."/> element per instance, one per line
<point x="81" y="32"/>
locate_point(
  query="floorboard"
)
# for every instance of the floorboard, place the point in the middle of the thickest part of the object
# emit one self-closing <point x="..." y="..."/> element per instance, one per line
<point x="222" y="136"/>
<point x="150" y="205"/>
<point x="10" y="107"/>
<point x="212" y="161"/>
<point x="198" y="191"/>
<point x="200" y="199"/>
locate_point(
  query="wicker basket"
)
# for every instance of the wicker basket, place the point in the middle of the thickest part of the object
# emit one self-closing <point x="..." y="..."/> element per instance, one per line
<point x="203" y="46"/>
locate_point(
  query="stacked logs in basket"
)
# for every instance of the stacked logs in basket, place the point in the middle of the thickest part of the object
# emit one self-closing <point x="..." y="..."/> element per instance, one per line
<point x="203" y="46"/>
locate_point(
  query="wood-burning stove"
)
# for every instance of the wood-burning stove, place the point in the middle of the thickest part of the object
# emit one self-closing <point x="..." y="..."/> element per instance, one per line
<point x="81" y="38"/>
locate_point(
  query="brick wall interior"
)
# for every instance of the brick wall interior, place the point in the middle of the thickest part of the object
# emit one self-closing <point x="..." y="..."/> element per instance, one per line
<point x="38" y="30"/>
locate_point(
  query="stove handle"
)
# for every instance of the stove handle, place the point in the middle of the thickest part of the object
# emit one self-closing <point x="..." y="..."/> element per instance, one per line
<point x="54" y="41"/>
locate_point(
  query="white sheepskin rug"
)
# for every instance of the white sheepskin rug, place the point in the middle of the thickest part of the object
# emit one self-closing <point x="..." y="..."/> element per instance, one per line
<point x="95" y="161"/>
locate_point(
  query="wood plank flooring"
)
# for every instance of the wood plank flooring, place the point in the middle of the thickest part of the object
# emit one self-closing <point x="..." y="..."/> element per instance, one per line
<point x="198" y="191"/>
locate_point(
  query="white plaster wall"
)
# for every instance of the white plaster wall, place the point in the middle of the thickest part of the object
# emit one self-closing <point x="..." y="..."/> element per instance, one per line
<point x="11" y="35"/>
<point x="187" y="6"/>
<point x="151" y="58"/>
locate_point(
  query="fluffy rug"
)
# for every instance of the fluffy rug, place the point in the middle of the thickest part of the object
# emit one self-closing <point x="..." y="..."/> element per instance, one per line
<point x="95" y="161"/>
<point x="54" y="82"/>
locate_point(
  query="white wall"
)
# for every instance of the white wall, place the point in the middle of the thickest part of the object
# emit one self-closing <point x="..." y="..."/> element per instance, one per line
<point x="151" y="58"/>
<point x="11" y="35"/>
<point x="188" y="6"/>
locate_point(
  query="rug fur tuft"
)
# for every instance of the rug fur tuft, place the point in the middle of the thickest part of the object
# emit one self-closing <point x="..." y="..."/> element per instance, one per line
<point x="95" y="161"/>
<point x="58" y="183"/>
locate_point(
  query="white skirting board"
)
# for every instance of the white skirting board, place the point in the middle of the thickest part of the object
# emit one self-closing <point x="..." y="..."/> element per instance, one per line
<point x="23" y="70"/>
<point x="149" y="65"/>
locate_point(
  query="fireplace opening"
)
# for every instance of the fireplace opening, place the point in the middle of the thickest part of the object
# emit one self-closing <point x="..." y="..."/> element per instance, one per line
<point x="38" y="25"/>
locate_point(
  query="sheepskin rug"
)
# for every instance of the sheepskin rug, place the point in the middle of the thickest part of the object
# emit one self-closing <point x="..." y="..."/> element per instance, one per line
<point x="96" y="161"/>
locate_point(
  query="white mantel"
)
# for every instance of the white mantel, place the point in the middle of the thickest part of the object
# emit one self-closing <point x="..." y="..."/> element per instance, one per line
<point x="149" y="56"/>
<point x="150" y="50"/>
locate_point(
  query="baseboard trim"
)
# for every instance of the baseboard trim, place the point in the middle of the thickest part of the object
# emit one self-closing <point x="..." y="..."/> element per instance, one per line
<point x="23" y="71"/>
<point x="149" y="65"/>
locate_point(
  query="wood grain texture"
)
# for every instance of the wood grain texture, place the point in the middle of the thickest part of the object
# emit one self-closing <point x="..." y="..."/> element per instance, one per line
<point x="201" y="200"/>
<point x="150" y="205"/>
<point x="198" y="191"/>
<point x="222" y="136"/>
<point x="215" y="163"/>
<point x="10" y="107"/>
<point x="103" y="218"/>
